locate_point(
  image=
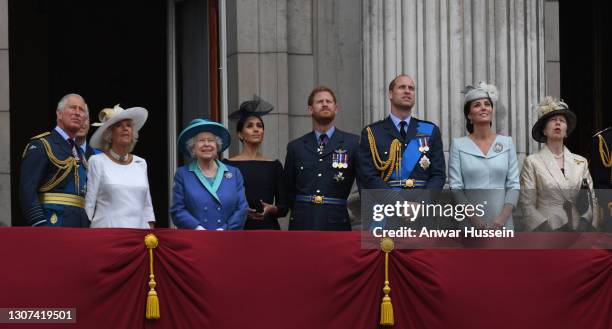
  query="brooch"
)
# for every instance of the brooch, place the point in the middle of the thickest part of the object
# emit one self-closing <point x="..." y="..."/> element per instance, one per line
<point x="339" y="177"/>
<point x="228" y="175"/>
<point x="498" y="147"/>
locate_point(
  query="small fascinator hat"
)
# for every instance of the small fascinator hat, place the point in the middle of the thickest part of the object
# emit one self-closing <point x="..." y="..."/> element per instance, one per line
<point x="256" y="107"/>
<point x="472" y="93"/>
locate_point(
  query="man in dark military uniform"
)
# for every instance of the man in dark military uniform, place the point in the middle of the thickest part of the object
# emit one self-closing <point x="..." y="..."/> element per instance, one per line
<point x="53" y="171"/>
<point x="320" y="169"/>
<point x="401" y="152"/>
<point x="601" y="171"/>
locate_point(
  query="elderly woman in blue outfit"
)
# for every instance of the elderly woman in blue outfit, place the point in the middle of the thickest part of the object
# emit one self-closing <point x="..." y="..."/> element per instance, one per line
<point x="483" y="165"/>
<point x="207" y="194"/>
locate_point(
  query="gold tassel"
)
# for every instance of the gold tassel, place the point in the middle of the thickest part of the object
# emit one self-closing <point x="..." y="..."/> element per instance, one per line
<point x="152" y="299"/>
<point x="386" y="308"/>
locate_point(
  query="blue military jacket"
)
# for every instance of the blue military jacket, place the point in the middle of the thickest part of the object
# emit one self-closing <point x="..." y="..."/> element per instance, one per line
<point x="220" y="205"/>
<point x="308" y="172"/>
<point x="50" y="182"/>
<point x="601" y="171"/>
<point x="419" y="133"/>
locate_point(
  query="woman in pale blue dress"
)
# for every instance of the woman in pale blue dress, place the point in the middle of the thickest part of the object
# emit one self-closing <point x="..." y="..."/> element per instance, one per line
<point x="483" y="165"/>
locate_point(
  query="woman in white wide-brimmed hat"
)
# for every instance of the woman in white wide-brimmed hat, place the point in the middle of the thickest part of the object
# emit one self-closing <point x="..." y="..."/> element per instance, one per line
<point x="556" y="186"/>
<point x="117" y="184"/>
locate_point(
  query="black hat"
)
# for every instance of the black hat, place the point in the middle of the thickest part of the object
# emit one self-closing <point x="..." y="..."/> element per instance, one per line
<point x="256" y="107"/>
<point x="548" y="108"/>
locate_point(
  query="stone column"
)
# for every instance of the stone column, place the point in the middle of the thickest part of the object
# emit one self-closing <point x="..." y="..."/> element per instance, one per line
<point x="445" y="45"/>
<point x="281" y="49"/>
<point x="5" y="154"/>
<point x="257" y="64"/>
<point x="551" y="48"/>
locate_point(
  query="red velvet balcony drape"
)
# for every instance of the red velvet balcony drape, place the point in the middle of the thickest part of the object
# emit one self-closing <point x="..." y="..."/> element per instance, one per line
<point x="296" y="280"/>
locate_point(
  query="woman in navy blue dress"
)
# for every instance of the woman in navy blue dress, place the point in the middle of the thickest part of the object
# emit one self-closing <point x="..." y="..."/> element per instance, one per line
<point x="265" y="192"/>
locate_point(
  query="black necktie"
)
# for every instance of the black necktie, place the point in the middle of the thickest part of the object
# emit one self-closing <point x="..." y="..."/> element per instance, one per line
<point x="323" y="140"/>
<point x="403" y="130"/>
<point x="76" y="150"/>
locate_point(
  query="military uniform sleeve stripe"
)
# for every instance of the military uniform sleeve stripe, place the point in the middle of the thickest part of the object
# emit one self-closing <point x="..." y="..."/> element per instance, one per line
<point x="39" y="222"/>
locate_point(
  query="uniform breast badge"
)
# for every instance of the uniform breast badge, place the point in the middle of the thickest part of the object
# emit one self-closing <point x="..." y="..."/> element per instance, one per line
<point x="340" y="159"/>
<point x="53" y="218"/>
<point x="424" y="162"/>
<point x="498" y="147"/>
<point x="339" y="177"/>
<point x="228" y="175"/>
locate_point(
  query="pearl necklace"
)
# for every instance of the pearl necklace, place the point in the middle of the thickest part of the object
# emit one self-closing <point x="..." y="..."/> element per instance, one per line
<point x="560" y="156"/>
<point x="120" y="158"/>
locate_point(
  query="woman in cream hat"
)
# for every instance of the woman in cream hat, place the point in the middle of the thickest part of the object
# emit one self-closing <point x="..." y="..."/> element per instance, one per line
<point x="117" y="184"/>
<point x="483" y="165"/>
<point x="556" y="187"/>
<point x="207" y="194"/>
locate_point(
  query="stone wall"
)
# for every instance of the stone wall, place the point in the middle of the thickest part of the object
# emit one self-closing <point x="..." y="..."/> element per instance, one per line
<point x="5" y="143"/>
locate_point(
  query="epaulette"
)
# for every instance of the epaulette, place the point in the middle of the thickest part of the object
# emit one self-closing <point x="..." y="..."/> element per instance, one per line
<point x="376" y="123"/>
<point x="602" y="131"/>
<point x="28" y="147"/>
<point x="421" y="120"/>
<point x="41" y="135"/>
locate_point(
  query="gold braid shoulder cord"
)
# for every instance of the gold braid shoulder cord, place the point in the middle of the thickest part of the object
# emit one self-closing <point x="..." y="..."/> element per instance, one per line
<point x="394" y="162"/>
<point x="604" y="153"/>
<point x="64" y="167"/>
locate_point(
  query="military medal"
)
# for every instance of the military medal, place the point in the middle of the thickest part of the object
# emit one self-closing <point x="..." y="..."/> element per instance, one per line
<point x="423" y="147"/>
<point x="424" y="162"/>
<point x="498" y="147"/>
<point x="343" y="161"/>
<point x="340" y="159"/>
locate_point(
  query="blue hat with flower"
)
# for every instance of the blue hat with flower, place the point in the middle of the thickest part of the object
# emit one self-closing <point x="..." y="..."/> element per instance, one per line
<point x="197" y="126"/>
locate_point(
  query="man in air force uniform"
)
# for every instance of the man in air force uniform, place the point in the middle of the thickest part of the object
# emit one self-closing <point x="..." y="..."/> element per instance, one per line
<point x="601" y="170"/>
<point x="320" y="169"/>
<point x="53" y="171"/>
<point x="401" y="152"/>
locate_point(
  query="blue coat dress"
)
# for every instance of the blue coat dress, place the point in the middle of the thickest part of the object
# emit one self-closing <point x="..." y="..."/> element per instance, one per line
<point x="220" y="205"/>
<point x="491" y="177"/>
